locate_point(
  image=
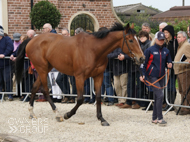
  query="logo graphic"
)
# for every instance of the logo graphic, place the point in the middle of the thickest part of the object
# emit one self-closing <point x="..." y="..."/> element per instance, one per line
<point x="23" y="125"/>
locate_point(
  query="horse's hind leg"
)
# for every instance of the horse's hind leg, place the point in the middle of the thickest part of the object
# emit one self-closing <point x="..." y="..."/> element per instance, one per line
<point x="35" y="88"/>
<point x="43" y="77"/>
<point x="97" y="84"/>
<point x="80" y="90"/>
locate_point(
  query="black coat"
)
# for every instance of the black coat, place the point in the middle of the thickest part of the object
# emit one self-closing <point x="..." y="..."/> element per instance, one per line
<point x="145" y="45"/>
<point x="119" y="67"/>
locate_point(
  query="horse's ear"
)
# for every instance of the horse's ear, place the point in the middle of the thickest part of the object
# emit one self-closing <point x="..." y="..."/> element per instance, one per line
<point x="127" y="28"/>
<point x="132" y="26"/>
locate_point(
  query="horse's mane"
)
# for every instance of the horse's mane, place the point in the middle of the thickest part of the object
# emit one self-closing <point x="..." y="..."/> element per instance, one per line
<point x="116" y="27"/>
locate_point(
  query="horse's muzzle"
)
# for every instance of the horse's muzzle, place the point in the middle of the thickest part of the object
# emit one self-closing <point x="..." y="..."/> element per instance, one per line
<point x="141" y="60"/>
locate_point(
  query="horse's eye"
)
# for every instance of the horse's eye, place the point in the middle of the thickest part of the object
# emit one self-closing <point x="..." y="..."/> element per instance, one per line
<point x="131" y="40"/>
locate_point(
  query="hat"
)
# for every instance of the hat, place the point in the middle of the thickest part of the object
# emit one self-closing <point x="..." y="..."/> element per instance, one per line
<point x="170" y="29"/>
<point x="160" y="35"/>
<point x="1" y="31"/>
<point x="16" y="36"/>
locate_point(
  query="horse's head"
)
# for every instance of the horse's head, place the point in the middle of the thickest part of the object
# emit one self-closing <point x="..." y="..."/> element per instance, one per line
<point x="130" y="45"/>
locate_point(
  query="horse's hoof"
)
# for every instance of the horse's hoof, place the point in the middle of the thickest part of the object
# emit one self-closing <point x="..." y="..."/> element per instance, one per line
<point x="32" y="116"/>
<point x="66" y="116"/>
<point x="59" y="119"/>
<point x="105" y="123"/>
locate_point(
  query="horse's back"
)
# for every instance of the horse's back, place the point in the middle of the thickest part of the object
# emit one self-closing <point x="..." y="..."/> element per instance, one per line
<point x="69" y="55"/>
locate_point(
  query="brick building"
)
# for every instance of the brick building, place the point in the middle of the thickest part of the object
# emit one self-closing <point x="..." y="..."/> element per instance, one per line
<point x="138" y="8"/>
<point x="176" y="12"/>
<point x="14" y="15"/>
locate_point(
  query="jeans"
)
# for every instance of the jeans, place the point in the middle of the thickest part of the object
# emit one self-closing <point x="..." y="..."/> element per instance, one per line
<point x="106" y="85"/>
<point x="6" y="80"/>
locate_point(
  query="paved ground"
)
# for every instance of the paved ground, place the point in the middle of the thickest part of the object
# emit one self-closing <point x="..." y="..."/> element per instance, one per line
<point x="126" y="125"/>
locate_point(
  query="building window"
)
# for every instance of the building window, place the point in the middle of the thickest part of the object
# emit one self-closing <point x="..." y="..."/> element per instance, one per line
<point x="140" y="11"/>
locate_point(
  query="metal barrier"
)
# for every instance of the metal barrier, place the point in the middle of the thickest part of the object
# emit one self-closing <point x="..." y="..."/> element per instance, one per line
<point x="133" y="97"/>
<point x="182" y="101"/>
<point x="28" y="80"/>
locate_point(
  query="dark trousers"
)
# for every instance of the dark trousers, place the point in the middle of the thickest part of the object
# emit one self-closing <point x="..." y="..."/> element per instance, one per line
<point x="27" y="81"/>
<point x="131" y="87"/>
<point x="158" y="98"/>
<point x="63" y="83"/>
<point x="6" y="83"/>
<point x="135" y="88"/>
<point x="107" y="86"/>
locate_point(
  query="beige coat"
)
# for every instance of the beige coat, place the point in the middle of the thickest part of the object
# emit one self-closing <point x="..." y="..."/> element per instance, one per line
<point x="184" y="49"/>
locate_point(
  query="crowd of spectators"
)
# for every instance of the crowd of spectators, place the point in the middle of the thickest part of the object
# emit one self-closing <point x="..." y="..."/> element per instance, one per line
<point x="121" y="77"/>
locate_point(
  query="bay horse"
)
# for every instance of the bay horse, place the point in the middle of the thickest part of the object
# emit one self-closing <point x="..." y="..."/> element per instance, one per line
<point x="81" y="56"/>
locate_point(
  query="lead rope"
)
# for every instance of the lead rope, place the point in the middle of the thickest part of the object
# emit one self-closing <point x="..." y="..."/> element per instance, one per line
<point x="146" y="82"/>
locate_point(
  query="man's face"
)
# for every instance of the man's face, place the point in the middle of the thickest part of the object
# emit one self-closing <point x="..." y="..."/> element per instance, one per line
<point x="188" y="32"/>
<point x="1" y="37"/>
<point x="147" y="29"/>
<point x="180" y="38"/>
<point x="45" y="29"/>
<point x="161" y="27"/>
<point x="65" y="33"/>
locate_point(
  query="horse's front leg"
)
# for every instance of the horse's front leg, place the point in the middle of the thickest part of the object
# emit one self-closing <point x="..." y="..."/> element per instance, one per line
<point x="97" y="84"/>
<point x="80" y="90"/>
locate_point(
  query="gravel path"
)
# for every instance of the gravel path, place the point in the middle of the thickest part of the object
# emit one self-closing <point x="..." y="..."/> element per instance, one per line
<point x="126" y="125"/>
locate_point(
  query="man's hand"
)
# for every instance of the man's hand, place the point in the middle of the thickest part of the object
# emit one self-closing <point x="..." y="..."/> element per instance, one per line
<point x="142" y="78"/>
<point x="12" y="58"/>
<point x="2" y="55"/>
<point x="121" y="57"/>
<point x="169" y="65"/>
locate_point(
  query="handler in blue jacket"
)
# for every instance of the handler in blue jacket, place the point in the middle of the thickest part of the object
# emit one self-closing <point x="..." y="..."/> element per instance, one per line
<point x="157" y="58"/>
<point x="6" y="48"/>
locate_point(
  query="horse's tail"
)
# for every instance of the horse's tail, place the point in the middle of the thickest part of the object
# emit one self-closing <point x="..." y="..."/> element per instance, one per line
<point x="20" y="60"/>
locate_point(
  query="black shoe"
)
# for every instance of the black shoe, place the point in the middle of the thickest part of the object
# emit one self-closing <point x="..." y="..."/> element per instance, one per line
<point x="58" y="100"/>
<point x="86" y="101"/>
<point x="106" y="100"/>
<point x="91" y="101"/>
<point x="54" y="99"/>
<point x="115" y="100"/>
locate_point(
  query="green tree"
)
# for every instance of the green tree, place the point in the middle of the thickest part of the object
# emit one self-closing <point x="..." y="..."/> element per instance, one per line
<point x="45" y="12"/>
<point x="139" y="19"/>
<point x="180" y="25"/>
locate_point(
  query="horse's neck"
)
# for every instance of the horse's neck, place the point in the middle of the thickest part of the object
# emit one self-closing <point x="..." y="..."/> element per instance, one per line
<point x="110" y="43"/>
